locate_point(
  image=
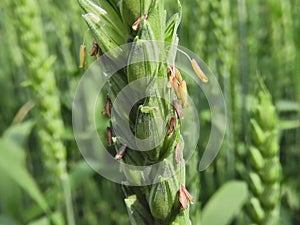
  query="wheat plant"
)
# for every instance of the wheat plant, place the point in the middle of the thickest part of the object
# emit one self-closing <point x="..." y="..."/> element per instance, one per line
<point x="113" y="23"/>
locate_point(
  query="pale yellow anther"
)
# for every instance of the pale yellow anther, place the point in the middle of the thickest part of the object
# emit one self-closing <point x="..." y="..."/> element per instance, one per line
<point x="198" y="71"/>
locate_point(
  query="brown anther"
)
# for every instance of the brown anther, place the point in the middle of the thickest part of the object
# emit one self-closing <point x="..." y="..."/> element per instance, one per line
<point x="178" y="109"/>
<point x="184" y="197"/>
<point x="107" y="108"/>
<point x="172" y="126"/>
<point x="82" y="56"/>
<point x="198" y="71"/>
<point x="171" y="71"/>
<point x="95" y="49"/>
<point x="171" y="74"/>
<point x="183" y="93"/>
<point x="137" y="23"/>
<point x="155" y="109"/>
<point x="121" y="152"/>
<point x="109" y="136"/>
<point x="177" y="153"/>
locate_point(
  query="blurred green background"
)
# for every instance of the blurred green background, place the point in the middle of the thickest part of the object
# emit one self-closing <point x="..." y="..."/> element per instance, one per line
<point x="243" y="43"/>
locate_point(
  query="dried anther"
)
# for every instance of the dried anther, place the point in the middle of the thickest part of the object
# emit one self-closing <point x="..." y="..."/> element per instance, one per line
<point x="178" y="109"/>
<point x="198" y="71"/>
<point x="184" y="197"/>
<point x="172" y="126"/>
<point x="121" y="152"/>
<point x="107" y="108"/>
<point x="82" y="56"/>
<point x="95" y="49"/>
<point x="137" y="23"/>
<point x="177" y="153"/>
<point x="109" y="136"/>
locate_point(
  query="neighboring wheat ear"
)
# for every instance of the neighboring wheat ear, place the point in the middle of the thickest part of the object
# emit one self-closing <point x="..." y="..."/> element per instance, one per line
<point x="43" y="87"/>
<point x="260" y="165"/>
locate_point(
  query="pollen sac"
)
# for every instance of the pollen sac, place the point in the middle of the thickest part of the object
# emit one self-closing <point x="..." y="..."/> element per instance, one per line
<point x="95" y="49"/>
<point x="198" y="71"/>
<point x="137" y="23"/>
<point x="178" y="75"/>
<point x="183" y="93"/>
<point x="107" y="108"/>
<point x="121" y="152"/>
<point x="176" y="87"/>
<point x="82" y="56"/>
<point x="184" y="197"/>
<point x="178" y="109"/>
<point x="172" y="126"/>
<point x="109" y="136"/>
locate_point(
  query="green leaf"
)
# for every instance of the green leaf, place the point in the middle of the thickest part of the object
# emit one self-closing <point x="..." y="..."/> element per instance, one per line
<point x="287" y="106"/>
<point x="289" y="124"/>
<point x="42" y="221"/>
<point x="19" y="133"/>
<point x="56" y="217"/>
<point x="11" y="195"/>
<point x="12" y="162"/>
<point x="225" y="203"/>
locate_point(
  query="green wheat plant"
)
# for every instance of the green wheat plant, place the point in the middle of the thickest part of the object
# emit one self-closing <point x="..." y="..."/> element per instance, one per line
<point x="112" y="24"/>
